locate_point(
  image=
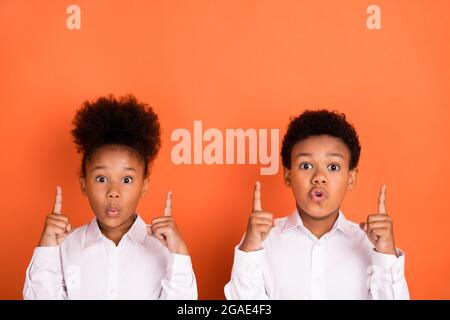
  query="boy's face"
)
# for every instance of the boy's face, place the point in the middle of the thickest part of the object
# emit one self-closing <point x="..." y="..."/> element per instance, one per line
<point x="320" y="175"/>
<point x="114" y="183"/>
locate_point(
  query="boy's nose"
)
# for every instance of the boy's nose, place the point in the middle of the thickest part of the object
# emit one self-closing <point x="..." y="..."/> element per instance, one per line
<point x="319" y="178"/>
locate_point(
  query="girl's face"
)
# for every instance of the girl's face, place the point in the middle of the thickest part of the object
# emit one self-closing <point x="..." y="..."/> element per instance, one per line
<point x="114" y="183"/>
<point x="320" y="175"/>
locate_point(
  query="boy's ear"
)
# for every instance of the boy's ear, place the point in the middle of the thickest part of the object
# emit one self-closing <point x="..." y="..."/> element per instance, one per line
<point x="287" y="177"/>
<point x="352" y="179"/>
<point x="83" y="185"/>
<point x="145" y="187"/>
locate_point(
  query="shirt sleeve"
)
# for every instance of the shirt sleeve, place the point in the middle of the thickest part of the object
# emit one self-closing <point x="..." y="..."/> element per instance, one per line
<point x="44" y="279"/>
<point x="247" y="276"/>
<point x="387" y="277"/>
<point x="179" y="283"/>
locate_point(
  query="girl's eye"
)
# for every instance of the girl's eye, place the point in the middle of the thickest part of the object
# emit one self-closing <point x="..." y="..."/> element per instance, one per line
<point x="334" y="167"/>
<point x="306" y="166"/>
<point x="127" y="180"/>
<point x="101" y="179"/>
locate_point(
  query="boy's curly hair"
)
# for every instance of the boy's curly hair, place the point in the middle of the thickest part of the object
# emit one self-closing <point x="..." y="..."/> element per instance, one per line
<point x="320" y="122"/>
<point x="124" y="121"/>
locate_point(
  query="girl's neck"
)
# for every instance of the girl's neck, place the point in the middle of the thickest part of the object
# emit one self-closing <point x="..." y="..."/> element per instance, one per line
<point x="115" y="234"/>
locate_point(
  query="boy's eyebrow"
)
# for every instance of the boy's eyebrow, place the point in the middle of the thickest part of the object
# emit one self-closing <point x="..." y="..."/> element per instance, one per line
<point x="303" y="154"/>
<point x="306" y="154"/>
<point x="335" y="154"/>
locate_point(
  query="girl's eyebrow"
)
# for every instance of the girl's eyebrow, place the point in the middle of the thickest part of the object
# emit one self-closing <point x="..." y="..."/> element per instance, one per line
<point x="104" y="167"/>
<point x="98" y="168"/>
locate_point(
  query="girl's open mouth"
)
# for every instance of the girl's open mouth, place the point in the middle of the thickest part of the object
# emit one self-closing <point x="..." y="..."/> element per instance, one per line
<point x="112" y="212"/>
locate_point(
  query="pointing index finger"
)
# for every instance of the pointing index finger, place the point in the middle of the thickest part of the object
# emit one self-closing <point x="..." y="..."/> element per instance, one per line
<point x="168" y="207"/>
<point x="382" y="200"/>
<point x="257" y="197"/>
<point x="58" y="200"/>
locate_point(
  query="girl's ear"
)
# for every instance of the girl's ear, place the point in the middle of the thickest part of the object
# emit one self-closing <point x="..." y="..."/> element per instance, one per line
<point x="83" y="185"/>
<point x="352" y="179"/>
<point x="287" y="177"/>
<point x="145" y="186"/>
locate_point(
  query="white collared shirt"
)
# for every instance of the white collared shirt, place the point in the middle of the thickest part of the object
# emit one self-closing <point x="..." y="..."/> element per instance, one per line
<point x="87" y="265"/>
<point x="294" y="264"/>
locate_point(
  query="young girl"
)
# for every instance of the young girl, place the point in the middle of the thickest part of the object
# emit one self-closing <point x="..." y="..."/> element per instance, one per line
<point x="116" y="255"/>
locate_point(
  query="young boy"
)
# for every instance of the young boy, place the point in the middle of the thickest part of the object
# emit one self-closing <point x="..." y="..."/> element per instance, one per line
<point x="116" y="255"/>
<point x="316" y="253"/>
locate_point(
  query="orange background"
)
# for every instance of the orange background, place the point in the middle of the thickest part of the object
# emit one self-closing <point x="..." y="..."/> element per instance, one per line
<point x="231" y="64"/>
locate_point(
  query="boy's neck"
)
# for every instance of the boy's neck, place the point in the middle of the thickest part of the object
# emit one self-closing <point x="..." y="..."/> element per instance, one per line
<point x="318" y="227"/>
<point x="115" y="234"/>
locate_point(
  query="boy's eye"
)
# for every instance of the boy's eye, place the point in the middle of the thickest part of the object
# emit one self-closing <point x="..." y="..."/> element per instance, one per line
<point x="101" y="179"/>
<point x="334" y="167"/>
<point x="305" y="165"/>
<point x="127" y="179"/>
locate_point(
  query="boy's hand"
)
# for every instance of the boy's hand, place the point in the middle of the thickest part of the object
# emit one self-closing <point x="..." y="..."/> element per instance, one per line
<point x="57" y="225"/>
<point x="379" y="227"/>
<point x="259" y="224"/>
<point x="166" y="231"/>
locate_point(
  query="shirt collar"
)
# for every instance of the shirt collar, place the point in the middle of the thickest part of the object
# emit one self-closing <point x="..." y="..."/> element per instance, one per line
<point x="93" y="233"/>
<point x="137" y="232"/>
<point x="293" y="221"/>
<point x="342" y="224"/>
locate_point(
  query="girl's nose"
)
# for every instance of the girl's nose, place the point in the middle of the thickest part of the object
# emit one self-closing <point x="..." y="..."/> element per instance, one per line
<point x="113" y="193"/>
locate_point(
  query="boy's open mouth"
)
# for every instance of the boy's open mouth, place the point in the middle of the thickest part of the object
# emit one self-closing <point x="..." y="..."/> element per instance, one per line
<point x="317" y="194"/>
